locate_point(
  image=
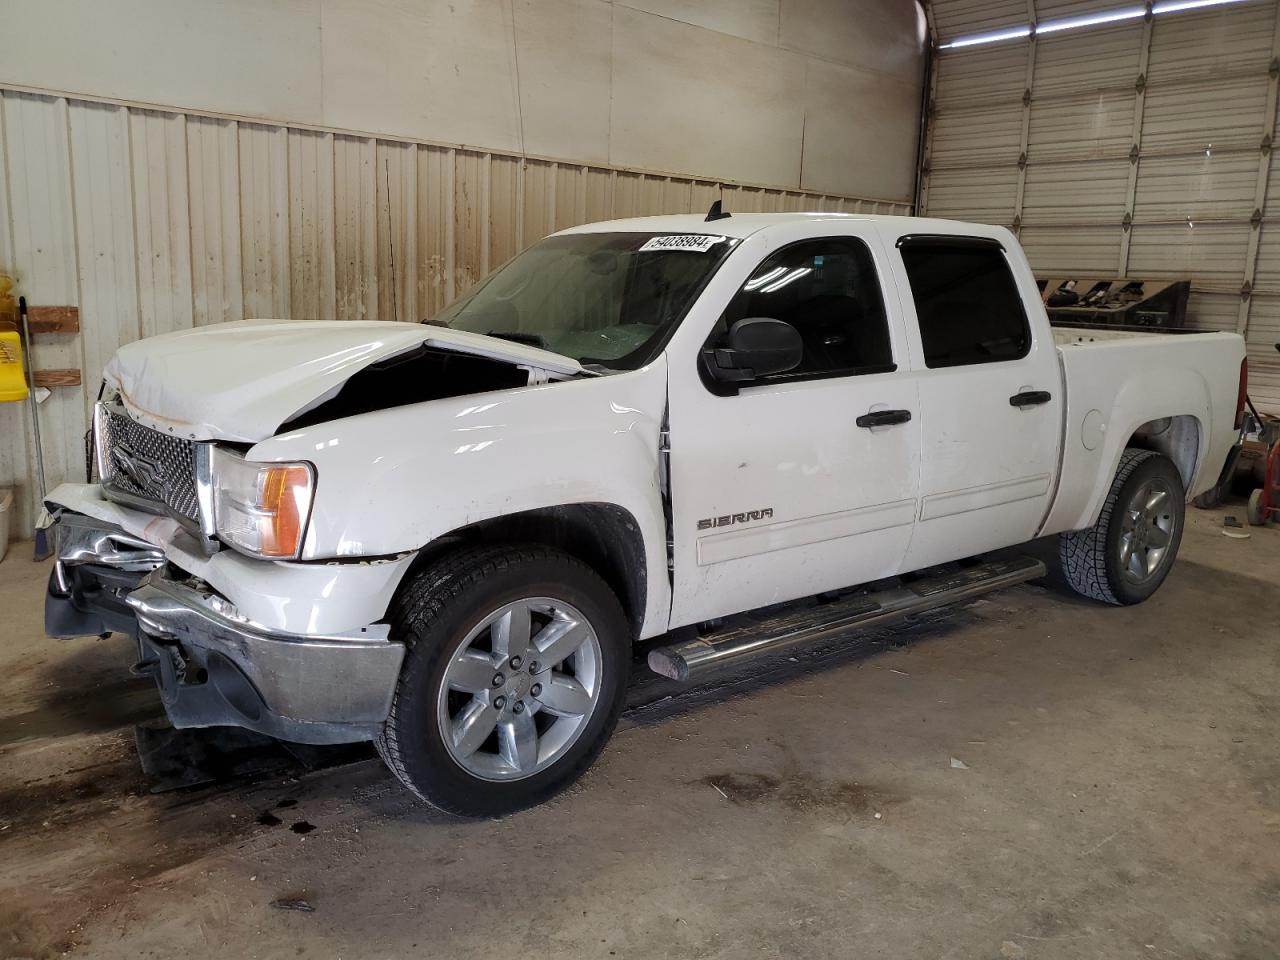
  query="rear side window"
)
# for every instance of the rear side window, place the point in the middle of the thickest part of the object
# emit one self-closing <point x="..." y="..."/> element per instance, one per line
<point x="967" y="303"/>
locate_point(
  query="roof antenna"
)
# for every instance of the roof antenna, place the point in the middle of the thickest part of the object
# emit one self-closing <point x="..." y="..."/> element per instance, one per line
<point x="715" y="213"/>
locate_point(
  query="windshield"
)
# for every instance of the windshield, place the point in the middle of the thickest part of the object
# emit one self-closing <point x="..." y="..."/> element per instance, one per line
<point x="600" y="298"/>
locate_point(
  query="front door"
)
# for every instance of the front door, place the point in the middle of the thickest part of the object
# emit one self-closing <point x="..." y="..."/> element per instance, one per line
<point x="990" y="396"/>
<point x="805" y="481"/>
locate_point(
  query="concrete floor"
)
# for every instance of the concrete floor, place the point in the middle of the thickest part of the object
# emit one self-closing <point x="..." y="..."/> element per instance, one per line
<point x="1030" y="776"/>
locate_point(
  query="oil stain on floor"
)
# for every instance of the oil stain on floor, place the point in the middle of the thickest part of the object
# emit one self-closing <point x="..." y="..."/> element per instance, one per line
<point x="799" y="793"/>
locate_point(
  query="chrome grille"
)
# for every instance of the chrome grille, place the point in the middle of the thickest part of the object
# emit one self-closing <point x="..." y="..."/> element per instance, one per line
<point x="139" y="463"/>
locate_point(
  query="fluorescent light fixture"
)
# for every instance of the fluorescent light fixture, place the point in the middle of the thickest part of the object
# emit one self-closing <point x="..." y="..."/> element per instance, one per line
<point x="794" y="275"/>
<point x="1090" y="19"/>
<point x="1011" y="34"/>
<point x="1173" y="6"/>
<point x="1084" y="20"/>
<point x="762" y="279"/>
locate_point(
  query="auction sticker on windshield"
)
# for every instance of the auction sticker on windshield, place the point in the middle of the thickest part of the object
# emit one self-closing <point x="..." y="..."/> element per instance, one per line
<point x="693" y="242"/>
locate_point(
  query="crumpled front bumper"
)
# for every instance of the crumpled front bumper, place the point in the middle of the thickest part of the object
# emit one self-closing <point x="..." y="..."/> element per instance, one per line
<point x="213" y="666"/>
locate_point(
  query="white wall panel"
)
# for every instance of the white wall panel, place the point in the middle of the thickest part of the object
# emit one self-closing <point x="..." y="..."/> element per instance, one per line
<point x="747" y="90"/>
<point x="711" y="88"/>
<point x="854" y="120"/>
<point x="234" y="56"/>
<point x="749" y="19"/>
<point x="870" y="35"/>
<point x="565" y="59"/>
<point x="152" y="221"/>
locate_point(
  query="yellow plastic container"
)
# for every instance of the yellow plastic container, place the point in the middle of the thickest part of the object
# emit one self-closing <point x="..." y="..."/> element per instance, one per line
<point x="13" y="382"/>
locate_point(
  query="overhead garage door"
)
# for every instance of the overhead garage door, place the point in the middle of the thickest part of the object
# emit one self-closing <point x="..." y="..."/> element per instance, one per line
<point x="1136" y="146"/>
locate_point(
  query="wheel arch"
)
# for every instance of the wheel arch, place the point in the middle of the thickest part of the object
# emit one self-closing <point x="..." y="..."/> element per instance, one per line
<point x="1180" y="438"/>
<point x="605" y="536"/>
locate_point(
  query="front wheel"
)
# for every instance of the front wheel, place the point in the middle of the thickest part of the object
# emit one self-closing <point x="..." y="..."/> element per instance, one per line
<point x="1126" y="555"/>
<point x="513" y="681"/>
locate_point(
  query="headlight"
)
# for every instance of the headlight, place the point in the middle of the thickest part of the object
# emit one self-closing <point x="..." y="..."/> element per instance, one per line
<point x="262" y="508"/>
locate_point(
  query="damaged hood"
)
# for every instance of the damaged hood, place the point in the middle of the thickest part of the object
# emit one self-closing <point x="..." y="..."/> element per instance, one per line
<point x="240" y="381"/>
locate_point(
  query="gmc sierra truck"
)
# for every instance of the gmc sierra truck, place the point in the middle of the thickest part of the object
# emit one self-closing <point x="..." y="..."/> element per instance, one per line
<point x="446" y="537"/>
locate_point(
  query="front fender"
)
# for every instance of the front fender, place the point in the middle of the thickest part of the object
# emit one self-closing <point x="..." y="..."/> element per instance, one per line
<point x="395" y="480"/>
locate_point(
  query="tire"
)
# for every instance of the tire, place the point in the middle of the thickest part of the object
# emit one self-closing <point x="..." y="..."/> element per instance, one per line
<point x="1093" y="560"/>
<point x="438" y="711"/>
<point x="1256" y="516"/>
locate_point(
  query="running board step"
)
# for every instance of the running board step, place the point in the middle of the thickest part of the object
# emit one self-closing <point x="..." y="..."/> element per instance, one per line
<point x="689" y="659"/>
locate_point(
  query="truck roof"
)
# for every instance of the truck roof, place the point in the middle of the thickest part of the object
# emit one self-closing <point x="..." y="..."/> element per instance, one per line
<point x="741" y="225"/>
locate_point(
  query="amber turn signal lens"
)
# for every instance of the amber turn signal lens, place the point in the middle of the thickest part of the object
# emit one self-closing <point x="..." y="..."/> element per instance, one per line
<point x="286" y="497"/>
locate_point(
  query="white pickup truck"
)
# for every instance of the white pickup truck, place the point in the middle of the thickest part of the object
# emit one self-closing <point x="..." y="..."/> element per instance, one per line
<point x="447" y="537"/>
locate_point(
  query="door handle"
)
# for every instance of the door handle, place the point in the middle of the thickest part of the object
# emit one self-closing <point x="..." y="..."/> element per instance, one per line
<point x="1030" y="398"/>
<point x="883" y="418"/>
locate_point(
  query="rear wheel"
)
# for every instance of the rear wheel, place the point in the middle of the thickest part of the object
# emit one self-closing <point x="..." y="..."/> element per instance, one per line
<point x="513" y="681"/>
<point x="1126" y="555"/>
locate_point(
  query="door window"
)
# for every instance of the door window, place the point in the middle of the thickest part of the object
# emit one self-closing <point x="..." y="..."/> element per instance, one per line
<point x="828" y="290"/>
<point x="967" y="303"/>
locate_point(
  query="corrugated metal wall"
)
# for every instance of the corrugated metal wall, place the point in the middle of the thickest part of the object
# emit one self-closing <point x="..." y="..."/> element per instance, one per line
<point x="153" y="221"/>
<point x="1141" y="148"/>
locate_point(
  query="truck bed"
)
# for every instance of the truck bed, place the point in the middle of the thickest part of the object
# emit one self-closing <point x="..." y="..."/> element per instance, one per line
<point x="1118" y="382"/>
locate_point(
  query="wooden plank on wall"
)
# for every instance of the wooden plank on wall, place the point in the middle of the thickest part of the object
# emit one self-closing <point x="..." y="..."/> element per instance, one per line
<point x="53" y="319"/>
<point x="67" y="377"/>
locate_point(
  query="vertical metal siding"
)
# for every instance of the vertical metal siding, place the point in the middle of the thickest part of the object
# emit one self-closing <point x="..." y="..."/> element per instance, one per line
<point x="162" y="224"/>
<point x="43" y="250"/>
<point x="1159" y="172"/>
<point x="152" y="221"/>
<point x="957" y="18"/>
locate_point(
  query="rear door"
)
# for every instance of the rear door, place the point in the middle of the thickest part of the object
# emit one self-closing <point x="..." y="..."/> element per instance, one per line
<point x="990" y="395"/>
<point x="804" y="481"/>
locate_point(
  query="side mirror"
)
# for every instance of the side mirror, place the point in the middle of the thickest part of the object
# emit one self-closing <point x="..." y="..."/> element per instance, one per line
<point x="758" y="347"/>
